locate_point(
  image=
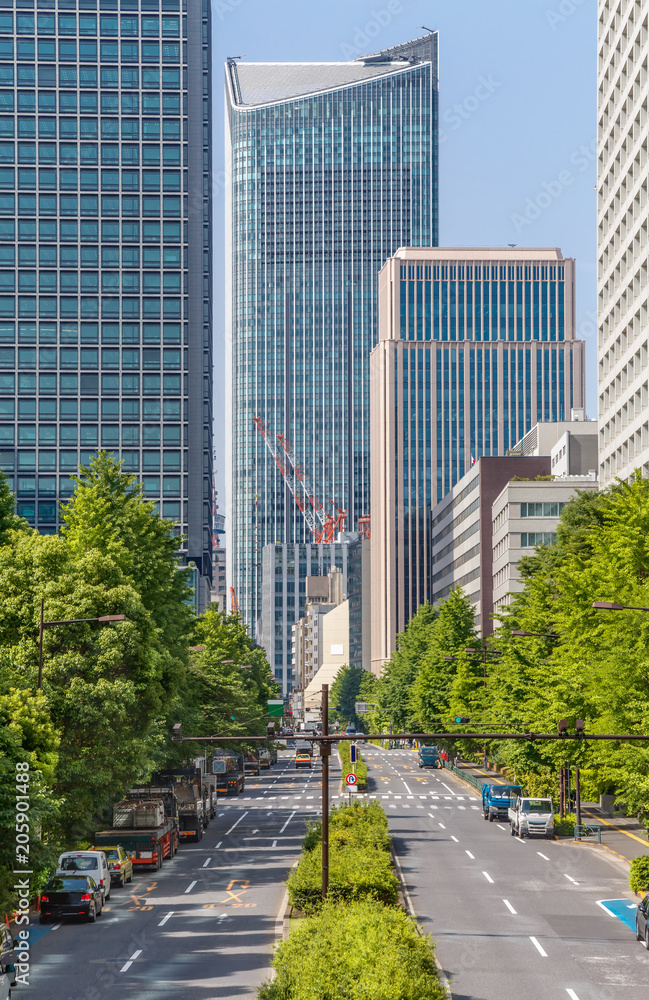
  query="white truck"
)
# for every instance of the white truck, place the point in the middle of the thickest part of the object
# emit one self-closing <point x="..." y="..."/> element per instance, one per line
<point x="530" y="817"/>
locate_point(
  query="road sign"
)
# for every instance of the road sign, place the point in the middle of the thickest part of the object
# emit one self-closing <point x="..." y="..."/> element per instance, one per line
<point x="276" y="709"/>
<point x="351" y="779"/>
<point x="360" y="707"/>
<point x="352" y="753"/>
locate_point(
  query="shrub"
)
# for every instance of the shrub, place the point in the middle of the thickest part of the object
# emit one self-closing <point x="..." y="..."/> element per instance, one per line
<point x="565" y="827"/>
<point x="360" y="768"/>
<point x="359" y="859"/>
<point x="639" y="874"/>
<point x="355" y="951"/>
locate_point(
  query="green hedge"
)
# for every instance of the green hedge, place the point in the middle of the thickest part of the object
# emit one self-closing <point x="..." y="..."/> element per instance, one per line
<point x="360" y="768"/>
<point x="354" y="951"/>
<point x="564" y="827"/>
<point x="360" y="866"/>
<point x="639" y="874"/>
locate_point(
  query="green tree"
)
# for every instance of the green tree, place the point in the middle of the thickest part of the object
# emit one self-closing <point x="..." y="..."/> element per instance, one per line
<point x="400" y="673"/>
<point x="344" y="693"/>
<point x="444" y="688"/>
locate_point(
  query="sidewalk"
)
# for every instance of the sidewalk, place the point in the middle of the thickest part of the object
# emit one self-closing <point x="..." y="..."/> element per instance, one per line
<point x="622" y="835"/>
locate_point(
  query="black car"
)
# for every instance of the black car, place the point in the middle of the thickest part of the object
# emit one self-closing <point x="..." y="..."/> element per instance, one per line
<point x="642" y="922"/>
<point x="71" y="896"/>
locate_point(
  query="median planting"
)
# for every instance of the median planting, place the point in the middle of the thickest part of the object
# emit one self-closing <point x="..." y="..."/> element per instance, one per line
<point x="360" y="767"/>
<point x="359" y="944"/>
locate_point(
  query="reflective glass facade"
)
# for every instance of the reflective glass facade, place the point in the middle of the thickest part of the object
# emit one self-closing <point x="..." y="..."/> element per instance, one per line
<point x="333" y="167"/>
<point x="105" y="274"/>
<point x="476" y="346"/>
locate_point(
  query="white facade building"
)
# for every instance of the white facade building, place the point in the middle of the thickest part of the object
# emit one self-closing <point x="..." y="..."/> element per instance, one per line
<point x="623" y="244"/>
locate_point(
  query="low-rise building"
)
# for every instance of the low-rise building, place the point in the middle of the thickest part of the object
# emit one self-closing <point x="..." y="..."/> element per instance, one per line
<point x="462" y="548"/>
<point x="524" y="515"/>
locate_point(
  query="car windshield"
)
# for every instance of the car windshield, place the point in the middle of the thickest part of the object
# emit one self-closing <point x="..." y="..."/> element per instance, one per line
<point x="79" y="864"/>
<point x="427" y="751"/>
<point x="536" y="806"/>
<point x="112" y="855"/>
<point x="70" y="884"/>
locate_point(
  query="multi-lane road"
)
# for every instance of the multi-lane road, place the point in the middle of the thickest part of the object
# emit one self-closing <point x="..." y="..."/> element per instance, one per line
<point x="203" y="927"/>
<point x="511" y="918"/>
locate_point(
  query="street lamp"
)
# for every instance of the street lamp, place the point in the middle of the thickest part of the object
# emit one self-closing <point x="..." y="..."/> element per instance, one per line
<point x="103" y="619"/>
<point x="608" y="606"/>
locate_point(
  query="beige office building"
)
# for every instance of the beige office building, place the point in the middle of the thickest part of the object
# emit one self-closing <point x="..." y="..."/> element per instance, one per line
<point x="476" y="345"/>
<point x="623" y="244"/>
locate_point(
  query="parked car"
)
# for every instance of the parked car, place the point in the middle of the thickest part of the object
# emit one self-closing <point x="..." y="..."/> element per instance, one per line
<point x="93" y="863"/>
<point x="303" y="760"/>
<point x="120" y="865"/>
<point x="7" y="962"/>
<point x="642" y="922"/>
<point x="71" y="895"/>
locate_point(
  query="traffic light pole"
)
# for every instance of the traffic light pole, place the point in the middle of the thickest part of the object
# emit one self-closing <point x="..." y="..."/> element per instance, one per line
<point x="325" y="753"/>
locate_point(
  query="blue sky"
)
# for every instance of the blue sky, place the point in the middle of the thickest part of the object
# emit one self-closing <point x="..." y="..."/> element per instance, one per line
<point x="518" y="100"/>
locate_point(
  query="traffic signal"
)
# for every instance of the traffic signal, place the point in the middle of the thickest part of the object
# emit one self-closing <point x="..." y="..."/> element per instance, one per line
<point x="462" y="719"/>
<point x="563" y="727"/>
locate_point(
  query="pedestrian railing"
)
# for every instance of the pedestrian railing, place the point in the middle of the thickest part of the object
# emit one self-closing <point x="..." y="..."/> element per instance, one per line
<point x="587" y="832"/>
<point x="465" y="775"/>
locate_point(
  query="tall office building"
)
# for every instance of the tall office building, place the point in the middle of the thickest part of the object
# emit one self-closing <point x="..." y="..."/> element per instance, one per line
<point x="105" y="245"/>
<point x="475" y="346"/>
<point x="623" y="248"/>
<point x="333" y="167"/>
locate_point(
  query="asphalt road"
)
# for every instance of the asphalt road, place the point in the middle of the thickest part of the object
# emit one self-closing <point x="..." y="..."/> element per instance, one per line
<point x="511" y="918"/>
<point x="203" y="927"/>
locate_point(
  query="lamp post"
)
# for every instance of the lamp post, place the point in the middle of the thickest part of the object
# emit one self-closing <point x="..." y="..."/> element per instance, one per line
<point x="103" y="619"/>
<point x="609" y="606"/>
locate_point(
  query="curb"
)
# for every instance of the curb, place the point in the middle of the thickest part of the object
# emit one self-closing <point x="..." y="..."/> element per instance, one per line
<point x="443" y="979"/>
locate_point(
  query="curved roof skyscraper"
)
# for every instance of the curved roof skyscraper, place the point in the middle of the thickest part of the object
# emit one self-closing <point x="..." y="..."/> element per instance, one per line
<point x="333" y="167"/>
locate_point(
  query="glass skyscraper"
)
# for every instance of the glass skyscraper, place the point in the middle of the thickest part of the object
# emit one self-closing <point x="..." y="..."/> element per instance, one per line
<point x="476" y="345"/>
<point x="333" y="166"/>
<point x="105" y="246"/>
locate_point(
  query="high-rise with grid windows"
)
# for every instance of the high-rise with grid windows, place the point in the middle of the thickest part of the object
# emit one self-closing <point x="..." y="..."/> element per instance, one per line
<point x="105" y="245"/>
<point x="623" y="246"/>
<point x="333" y="167"/>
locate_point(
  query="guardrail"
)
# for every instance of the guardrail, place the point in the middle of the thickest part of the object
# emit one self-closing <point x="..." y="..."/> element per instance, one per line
<point x="587" y="832"/>
<point x="464" y="775"/>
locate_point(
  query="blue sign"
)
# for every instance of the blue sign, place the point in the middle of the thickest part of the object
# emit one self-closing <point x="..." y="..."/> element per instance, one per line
<point x="352" y="753"/>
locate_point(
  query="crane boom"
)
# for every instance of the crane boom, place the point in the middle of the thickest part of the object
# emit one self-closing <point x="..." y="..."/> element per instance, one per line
<point x="302" y="477"/>
<point x="289" y="476"/>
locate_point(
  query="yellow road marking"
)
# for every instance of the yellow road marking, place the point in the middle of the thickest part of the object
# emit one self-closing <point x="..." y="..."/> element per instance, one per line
<point x="619" y="830"/>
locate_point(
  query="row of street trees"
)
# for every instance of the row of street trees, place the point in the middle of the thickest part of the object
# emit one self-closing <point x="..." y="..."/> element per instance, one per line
<point x="110" y="695"/>
<point x="579" y="664"/>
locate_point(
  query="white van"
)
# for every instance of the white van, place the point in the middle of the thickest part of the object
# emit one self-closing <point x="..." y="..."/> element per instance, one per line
<point x="93" y="863"/>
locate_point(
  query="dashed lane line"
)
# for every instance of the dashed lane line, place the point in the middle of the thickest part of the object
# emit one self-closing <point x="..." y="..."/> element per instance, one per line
<point x="165" y="918"/>
<point x="237" y="822"/>
<point x="127" y="965"/>
<point x="509" y="906"/>
<point x="190" y="886"/>
<point x="538" y="947"/>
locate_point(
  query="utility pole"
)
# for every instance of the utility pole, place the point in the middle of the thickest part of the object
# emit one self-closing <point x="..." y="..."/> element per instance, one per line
<point x="325" y="753"/>
<point x="577" y="803"/>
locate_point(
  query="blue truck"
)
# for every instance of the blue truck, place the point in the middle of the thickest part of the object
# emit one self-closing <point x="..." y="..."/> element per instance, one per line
<point x="496" y="800"/>
<point x="429" y="757"/>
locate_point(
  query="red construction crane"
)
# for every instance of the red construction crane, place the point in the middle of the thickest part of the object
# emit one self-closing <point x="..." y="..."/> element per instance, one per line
<point x="234" y="603"/>
<point x="322" y="526"/>
<point x="364" y="526"/>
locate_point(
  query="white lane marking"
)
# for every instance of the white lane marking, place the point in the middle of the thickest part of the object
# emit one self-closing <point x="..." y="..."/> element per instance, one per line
<point x="190" y="886"/>
<point x="455" y="839"/>
<point x="165" y="918"/>
<point x="472" y="856"/>
<point x="287" y="822"/>
<point x="206" y="862"/>
<point x="407" y="789"/>
<point x="509" y="906"/>
<point x="218" y="845"/>
<point x="237" y="822"/>
<point x="545" y="858"/>
<point x="488" y="877"/>
<point x="538" y="947"/>
<point x="442" y="826"/>
<point x="274" y="843"/>
<point x="127" y="965"/>
<point x="571" y="994"/>
<point x="571" y="879"/>
<point x="449" y="789"/>
<point x="501" y="827"/>
<point x="519" y="839"/>
<point x="56" y="927"/>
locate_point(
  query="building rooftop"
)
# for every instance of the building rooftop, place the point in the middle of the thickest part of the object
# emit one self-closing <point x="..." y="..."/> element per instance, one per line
<point x="254" y="84"/>
<point x="479" y="253"/>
